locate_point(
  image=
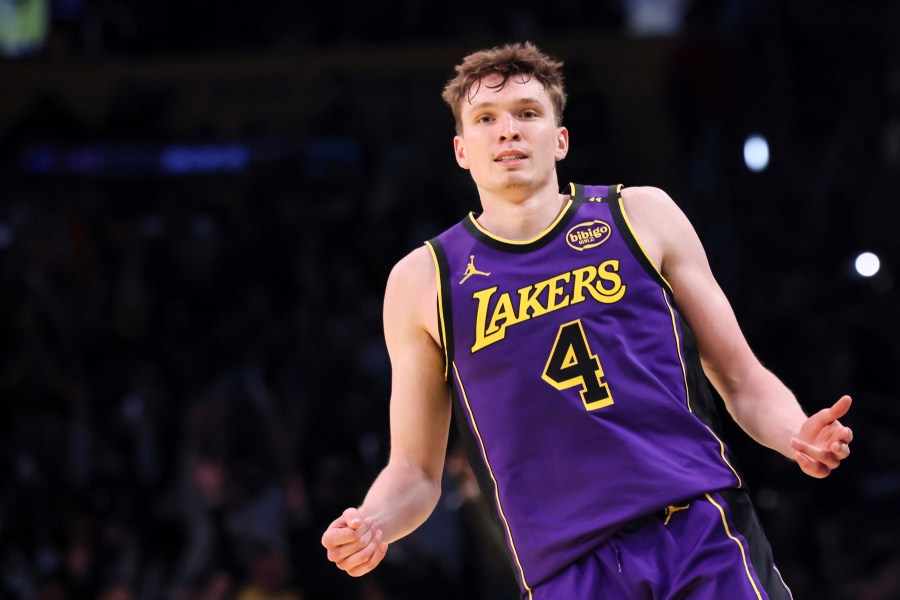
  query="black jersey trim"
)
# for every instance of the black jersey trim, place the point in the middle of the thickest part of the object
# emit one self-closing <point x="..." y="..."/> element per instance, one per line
<point x="521" y="248"/>
<point x="577" y="190"/>
<point x="703" y="402"/>
<point x="470" y="447"/>
<point x="444" y="312"/>
<point x="624" y="228"/>
<point x="746" y="522"/>
<point x="486" y="479"/>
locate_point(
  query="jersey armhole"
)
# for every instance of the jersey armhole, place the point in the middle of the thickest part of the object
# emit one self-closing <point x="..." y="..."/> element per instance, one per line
<point x="617" y="207"/>
<point x="444" y="314"/>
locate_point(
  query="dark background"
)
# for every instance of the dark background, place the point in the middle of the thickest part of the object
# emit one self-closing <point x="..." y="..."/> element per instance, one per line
<point x="200" y="203"/>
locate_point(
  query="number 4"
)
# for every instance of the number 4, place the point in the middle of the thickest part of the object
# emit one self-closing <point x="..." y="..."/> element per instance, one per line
<point x="572" y="363"/>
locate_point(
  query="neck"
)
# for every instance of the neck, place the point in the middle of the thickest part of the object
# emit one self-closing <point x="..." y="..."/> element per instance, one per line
<point x="522" y="216"/>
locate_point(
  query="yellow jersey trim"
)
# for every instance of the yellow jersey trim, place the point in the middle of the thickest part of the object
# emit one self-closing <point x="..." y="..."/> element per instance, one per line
<point x="687" y="390"/>
<point x="722" y="454"/>
<point x="558" y="218"/>
<point x="738" y="542"/>
<point x="484" y="456"/>
<point x="640" y="245"/>
<point x="440" y="303"/>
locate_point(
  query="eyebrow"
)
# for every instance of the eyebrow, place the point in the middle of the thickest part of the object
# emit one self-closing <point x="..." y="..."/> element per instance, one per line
<point x="519" y="102"/>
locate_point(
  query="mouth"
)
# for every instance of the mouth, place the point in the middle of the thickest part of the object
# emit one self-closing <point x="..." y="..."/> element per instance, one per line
<point x="509" y="157"/>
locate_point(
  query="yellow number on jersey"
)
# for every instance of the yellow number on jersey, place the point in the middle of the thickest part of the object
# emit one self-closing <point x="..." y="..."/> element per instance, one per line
<point x="572" y="363"/>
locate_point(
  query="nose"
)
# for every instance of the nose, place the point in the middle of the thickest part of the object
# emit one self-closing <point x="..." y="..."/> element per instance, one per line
<point x="509" y="129"/>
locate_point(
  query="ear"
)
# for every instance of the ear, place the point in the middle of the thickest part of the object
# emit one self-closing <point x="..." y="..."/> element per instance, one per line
<point x="562" y="143"/>
<point x="459" y="150"/>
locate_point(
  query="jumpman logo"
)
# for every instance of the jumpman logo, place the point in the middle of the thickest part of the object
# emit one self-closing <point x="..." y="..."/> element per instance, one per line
<point x="471" y="270"/>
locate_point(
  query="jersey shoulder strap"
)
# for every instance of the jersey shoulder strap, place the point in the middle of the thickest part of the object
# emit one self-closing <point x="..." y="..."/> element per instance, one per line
<point x="595" y="193"/>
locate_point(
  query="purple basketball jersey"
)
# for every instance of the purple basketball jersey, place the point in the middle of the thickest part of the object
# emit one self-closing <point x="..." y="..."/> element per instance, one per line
<point x="576" y="385"/>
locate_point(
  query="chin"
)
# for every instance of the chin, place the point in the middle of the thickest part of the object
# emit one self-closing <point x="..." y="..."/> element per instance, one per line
<point x="517" y="181"/>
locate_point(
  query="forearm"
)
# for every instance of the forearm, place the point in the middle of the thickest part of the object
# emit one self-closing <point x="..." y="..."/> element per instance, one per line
<point x="400" y="499"/>
<point x="767" y="410"/>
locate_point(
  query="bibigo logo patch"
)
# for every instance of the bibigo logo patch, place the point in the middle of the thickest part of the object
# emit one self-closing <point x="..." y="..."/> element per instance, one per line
<point x="587" y="235"/>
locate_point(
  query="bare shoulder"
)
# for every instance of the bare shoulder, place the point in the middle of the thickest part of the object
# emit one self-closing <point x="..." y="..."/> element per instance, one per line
<point x="648" y="203"/>
<point x="659" y="224"/>
<point x="415" y="271"/>
<point x="649" y="212"/>
<point x="411" y="293"/>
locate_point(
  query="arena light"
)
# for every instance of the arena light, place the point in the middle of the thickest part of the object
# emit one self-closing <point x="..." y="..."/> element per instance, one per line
<point x="867" y="264"/>
<point x="756" y="153"/>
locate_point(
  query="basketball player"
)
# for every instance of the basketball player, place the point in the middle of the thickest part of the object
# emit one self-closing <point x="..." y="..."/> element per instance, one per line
<point x="573" y="335"/>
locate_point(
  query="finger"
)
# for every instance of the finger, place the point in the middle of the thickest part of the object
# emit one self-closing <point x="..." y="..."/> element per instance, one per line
<point x="361" y="539"/>
<point x="838" y="433"/>
<point x="366" y="533"/>
<point x="815" y="453"/>
<point x="360" y="527"/>
<point x="339" y="533"/>
<point x="353" y="518"/>
<point x="840" y="449"/>
<point x="811" y="467"/>
<point x="356" y="559"/>
<point x="374" y="561"/>
<point x="342" y="539"/>
<point x="336" y="533"/>
<point x="336" y="536"/>
<point x="362" y="556"/>
<point x="846" y="435"/>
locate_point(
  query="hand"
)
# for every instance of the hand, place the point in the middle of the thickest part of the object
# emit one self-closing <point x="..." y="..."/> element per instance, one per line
<point x="823" y="442"/>
<point x="354" y="544"/>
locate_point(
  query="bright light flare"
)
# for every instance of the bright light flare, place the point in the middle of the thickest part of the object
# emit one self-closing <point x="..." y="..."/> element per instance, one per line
<point x="867" y="264"/>
<point x="756" y="153"/>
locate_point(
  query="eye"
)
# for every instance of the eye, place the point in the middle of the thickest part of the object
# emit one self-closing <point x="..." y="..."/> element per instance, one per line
<point x="484" y="119"/>
<point x="529" y="114"/>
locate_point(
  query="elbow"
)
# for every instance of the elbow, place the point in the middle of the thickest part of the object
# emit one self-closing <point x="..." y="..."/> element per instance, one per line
<point x="426" y="478"/>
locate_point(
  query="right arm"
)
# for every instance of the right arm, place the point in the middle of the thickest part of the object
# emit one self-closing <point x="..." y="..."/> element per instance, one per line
<point x="408" y="488"/>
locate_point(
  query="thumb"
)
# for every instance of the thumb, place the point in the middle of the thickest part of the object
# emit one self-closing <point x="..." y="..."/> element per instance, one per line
<point x="353" y="518"/>
<point x="840" y="408"/>
<point x="832" y="413"/>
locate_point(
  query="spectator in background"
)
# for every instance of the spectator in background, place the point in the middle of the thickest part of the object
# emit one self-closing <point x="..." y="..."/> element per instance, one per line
<point x="270" y="578"/>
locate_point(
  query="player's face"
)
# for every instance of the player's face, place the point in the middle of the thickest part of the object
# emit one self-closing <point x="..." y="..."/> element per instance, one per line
<point x="509" y="135"/>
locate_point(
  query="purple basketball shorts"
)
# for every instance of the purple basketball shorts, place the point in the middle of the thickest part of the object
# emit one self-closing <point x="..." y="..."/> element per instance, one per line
<point x="711" y="548"/>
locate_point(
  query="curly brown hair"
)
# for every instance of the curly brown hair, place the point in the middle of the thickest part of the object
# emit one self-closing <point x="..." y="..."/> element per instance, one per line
<point x="523" y="59"/>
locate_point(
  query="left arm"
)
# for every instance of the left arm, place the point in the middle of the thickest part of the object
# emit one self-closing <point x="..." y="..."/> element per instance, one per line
<point x="757" y="400"/>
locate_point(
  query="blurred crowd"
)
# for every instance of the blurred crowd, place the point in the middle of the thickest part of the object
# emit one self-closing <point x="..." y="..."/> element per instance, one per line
<point x="195" y="385"/>
<point x="194" y="382"/>
<point x="190" y="391"/>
